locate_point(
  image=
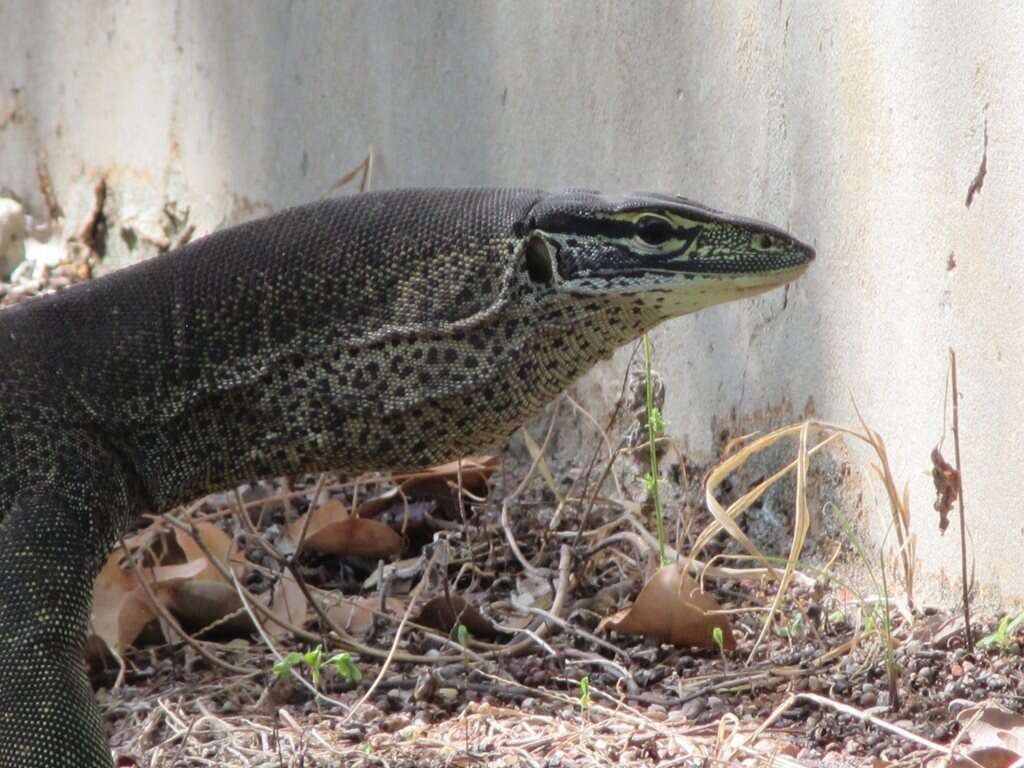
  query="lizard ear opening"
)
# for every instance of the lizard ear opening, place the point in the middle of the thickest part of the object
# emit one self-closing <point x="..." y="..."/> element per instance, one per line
<point x="538" y="260"/>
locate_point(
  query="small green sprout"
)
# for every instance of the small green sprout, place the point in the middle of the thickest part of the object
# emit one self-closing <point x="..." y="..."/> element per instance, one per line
<point x="719" y="639"/>
<point x="1004" y="633"/>
<point x="792" y="628"/>
<point x="584" y="697"/>
<point x="314" y="660"/>
<point x="463" y="635"/>
<point x="837" y="616"/>
<point x="346" y="667"/>
<point x="285" y="665"/>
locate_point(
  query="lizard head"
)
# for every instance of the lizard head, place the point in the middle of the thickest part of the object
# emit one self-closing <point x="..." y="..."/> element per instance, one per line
<point x="669" y="254"/>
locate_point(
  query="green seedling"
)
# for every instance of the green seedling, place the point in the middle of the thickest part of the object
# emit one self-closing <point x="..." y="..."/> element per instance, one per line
<point x="314" y="661"/>
<point x="584" y="697"/>
<point x="837" y="616"/>
<point x="346" y="667"/>
<point x="718" y="637"/>
<point x="792" y="628"/>
<point x="1004" y="633"/>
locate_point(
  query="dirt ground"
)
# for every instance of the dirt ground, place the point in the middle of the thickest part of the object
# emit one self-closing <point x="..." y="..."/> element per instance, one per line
<point x="487" y="642"/>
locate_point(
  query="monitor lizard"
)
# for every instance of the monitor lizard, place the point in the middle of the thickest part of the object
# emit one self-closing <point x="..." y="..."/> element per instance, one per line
<point x="390" y="330"/>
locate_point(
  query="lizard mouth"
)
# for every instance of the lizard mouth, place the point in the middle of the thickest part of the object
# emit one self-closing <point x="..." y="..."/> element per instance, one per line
<point x="776" y="280"/>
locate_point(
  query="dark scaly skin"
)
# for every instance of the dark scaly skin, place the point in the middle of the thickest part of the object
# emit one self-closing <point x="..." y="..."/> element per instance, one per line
<point x="391" y="330"/>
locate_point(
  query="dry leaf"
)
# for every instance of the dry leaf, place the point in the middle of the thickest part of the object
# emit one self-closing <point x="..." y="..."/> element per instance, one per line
<point x="476" y="471"/>
<point x="288" y="604"/>
<point x="121" y="609"/>
<point x="198" y="604"/>
<point x="201" y="604"/>
<point x="989" y="725"/>
<point x="332" y="530"/>
<point x="439" y="483"/>
<point x="217" y="542"/>
<point x="532" y="592"/>
<point x="947" y="487"/>
<point x="355" y="615"/>
<point x="986" y="757"/>
<point x="443" y="615"/>
<point x="995" y="736"/>
<point x="672" y="609"/>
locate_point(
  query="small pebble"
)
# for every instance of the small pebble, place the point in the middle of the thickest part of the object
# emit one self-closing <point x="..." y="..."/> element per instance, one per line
<point x="426" y="686"/>
<point x="657" y="712"/>
<point x="868" y="699"/>
<point x="957" y="705"/>
<point x="395" y="722"/>
<point x="996" y="682"/>
<point x="692" y="709"/>
<point x="448" y="696"/>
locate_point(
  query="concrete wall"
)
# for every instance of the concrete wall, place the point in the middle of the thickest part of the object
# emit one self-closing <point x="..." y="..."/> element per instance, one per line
<point x="859" y="126"/>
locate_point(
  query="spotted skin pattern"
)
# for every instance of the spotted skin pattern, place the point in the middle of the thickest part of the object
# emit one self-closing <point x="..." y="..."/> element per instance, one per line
<point x="391" y="330"/>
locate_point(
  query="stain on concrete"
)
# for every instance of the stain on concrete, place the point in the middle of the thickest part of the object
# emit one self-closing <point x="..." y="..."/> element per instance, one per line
<point x="979" y="177"/>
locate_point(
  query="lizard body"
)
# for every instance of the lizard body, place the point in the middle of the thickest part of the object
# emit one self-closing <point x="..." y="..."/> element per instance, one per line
<point x="392" y="330"/>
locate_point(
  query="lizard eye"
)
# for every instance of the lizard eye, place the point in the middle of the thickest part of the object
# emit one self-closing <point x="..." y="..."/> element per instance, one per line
<point x="538" y="260"/>
<point x="762" y="241"/>
<point x="653" y="230"/>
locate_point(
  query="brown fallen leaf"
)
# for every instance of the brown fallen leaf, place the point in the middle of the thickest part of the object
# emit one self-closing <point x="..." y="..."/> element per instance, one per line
<point x="333" y="530"/>
<point x="476" y="471"/>
<point x="438" y="483"/>
<point x="947" y="487"/>
<point x="990" y="725"/>
<point x="995" y="737"/>
<point x="672" y="609"/>
<point x="121" y="609"/>
<point x="288" y="604"/>
<point x="443" y="614"/>
<point x="355" y="614"/>
<point x="217" y="542"/>
<point x="200" y="604"/>
<point x="986" y="757"/>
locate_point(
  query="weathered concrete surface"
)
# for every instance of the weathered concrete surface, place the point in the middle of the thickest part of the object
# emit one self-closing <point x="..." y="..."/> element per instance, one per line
<point x="859" y="126"/>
